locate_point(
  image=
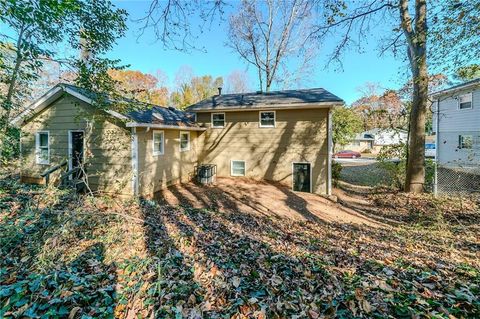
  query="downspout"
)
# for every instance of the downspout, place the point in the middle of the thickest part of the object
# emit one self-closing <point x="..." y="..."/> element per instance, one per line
<point x="330" y="153"/>
<point x="134" y="148"/>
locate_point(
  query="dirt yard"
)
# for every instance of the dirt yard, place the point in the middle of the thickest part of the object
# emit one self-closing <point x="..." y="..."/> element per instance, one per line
<point x="269" y="200"/>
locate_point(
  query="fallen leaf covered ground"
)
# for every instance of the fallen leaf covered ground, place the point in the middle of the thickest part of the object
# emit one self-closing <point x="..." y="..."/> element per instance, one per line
<point x="81" y="257"/>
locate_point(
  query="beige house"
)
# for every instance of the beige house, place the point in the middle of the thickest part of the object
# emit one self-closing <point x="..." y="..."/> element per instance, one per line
<point x="282" y="136"/>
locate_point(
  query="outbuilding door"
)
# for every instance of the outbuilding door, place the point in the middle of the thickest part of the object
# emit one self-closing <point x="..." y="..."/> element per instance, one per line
<point x="302" y="173"/>
<point x="76" y="143"/>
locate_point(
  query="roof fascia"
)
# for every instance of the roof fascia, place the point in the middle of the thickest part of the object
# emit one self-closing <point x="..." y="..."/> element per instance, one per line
<point x="293" y="106"/>
<point x="37" y="106"/>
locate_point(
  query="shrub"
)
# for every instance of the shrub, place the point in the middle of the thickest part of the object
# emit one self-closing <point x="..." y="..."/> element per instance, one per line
<point x="393" y="160"/>
<point x="336" y="171"/>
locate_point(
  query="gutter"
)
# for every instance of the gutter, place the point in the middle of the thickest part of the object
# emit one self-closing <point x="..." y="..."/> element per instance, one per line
<point x="165" y="126"/>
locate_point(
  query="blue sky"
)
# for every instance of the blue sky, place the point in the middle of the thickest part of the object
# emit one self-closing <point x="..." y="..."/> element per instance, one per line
<point x="146" y="55"/>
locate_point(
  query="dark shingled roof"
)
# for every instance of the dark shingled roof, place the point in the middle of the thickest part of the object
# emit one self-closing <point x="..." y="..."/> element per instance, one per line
<point x="260" y="100"/>
<point x="163" y="115"/>
<point x="148" y="113"/>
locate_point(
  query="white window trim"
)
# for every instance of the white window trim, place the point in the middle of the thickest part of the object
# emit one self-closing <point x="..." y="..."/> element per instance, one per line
<point x="311" y="170"/>
<point x="188" y="140"/>
<point x="224" y="119"/>
<point x="471" y="101"/>
<point x="244" y="168"/>
<point x="162" y="151"/>
<point x="260" y="119"/>
<point x="37" y="148"/>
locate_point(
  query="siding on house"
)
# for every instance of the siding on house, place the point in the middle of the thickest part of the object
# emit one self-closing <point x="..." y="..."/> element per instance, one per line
<point x="159" y="171"/>
<point x="453" y="122"/>
<point x="107" y="145"/>
<point x="298" y="136"/>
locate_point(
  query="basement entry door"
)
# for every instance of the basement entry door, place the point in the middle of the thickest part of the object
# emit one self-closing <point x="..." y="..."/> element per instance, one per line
<point x="302" y="173"/>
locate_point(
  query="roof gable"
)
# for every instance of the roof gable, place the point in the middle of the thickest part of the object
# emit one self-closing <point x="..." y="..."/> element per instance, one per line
<point x="151" y="116"/>
<point x="51" y="96"/>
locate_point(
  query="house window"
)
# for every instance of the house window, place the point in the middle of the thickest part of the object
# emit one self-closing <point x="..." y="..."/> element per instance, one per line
<point x="238" y="168"/>
<point x="267" y="119"/>
<point x="465" y="101"/>
<point x="184" y="141"/>
<point x="158" y="142"/>
<point x="218" y="120"/>
<point x="465" y="141"/>
<point x="42" y="147"/>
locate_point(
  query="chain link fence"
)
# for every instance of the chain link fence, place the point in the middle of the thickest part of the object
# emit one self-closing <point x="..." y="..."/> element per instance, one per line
<point x="457" y="180"/>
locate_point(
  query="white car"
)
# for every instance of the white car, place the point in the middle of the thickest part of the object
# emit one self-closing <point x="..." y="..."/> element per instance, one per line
<point x="430" y="150"/>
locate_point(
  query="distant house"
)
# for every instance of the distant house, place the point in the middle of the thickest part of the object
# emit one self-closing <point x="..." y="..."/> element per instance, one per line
<point x="373" y="140"/>
<point x="282" y="136"/>
<point x="456" y="125"/>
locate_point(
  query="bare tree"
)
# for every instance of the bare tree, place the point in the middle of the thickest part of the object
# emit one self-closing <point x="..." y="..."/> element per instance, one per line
<point x="268" y="33"/>
<point x="237" y="82"/>
<point x="171" y="21"/>
<point x="410" y="28"/>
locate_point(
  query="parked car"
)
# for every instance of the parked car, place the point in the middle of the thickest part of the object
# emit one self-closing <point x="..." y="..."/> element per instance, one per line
<point x="430" y="150"/>
<point x="347" y="154"/>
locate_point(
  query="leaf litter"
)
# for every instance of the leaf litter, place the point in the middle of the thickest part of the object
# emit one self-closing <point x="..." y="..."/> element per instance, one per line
<point x="66" y="256"/>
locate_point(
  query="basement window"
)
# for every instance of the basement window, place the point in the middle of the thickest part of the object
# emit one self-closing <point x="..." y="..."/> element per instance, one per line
<point x="218" y="120"/>
<point x="267" y="119"/>
<point x="465" y="101"/>
<point x="184" y="141"/>
<point x="158" y="142"/>
<point x="42" y="148"/>
<point x="237" y="168"/>
<point x="465" y="141"/>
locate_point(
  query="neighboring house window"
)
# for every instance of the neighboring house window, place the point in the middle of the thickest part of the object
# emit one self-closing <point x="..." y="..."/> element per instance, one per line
<point x="42" y="147"/>
<point x="218" y="120"/>
<point x="465" y="141"/>
<point x="158" y="142"/>
<point x="267" y="119"/>
<point x="356" y="143"/>
<point x="238" y="168"/>
<point x="184" y="141"/>
<point x="465" y="101"/>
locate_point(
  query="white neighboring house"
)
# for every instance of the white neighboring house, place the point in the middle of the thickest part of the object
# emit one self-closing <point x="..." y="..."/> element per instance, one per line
<point x="374" y="139"/>
<point x="456" y="125"/>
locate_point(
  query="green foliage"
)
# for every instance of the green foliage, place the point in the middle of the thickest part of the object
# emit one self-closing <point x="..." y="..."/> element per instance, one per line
<point x="11" y="147"/>
<point x="196" y="89"/>
<point x="336" y="171"/>
<point x="468" y="72"/>
<point x="34" y="32"/>
<point x="346" y="124"/>
<point x="393" y="160"/>
<point x="453" y="29"/>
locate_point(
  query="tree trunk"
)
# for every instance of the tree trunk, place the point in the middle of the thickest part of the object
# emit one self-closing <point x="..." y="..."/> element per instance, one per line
<point x="7" y="103"/>
<point x="415" y="175"/>
<point x="417" y="54"/>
